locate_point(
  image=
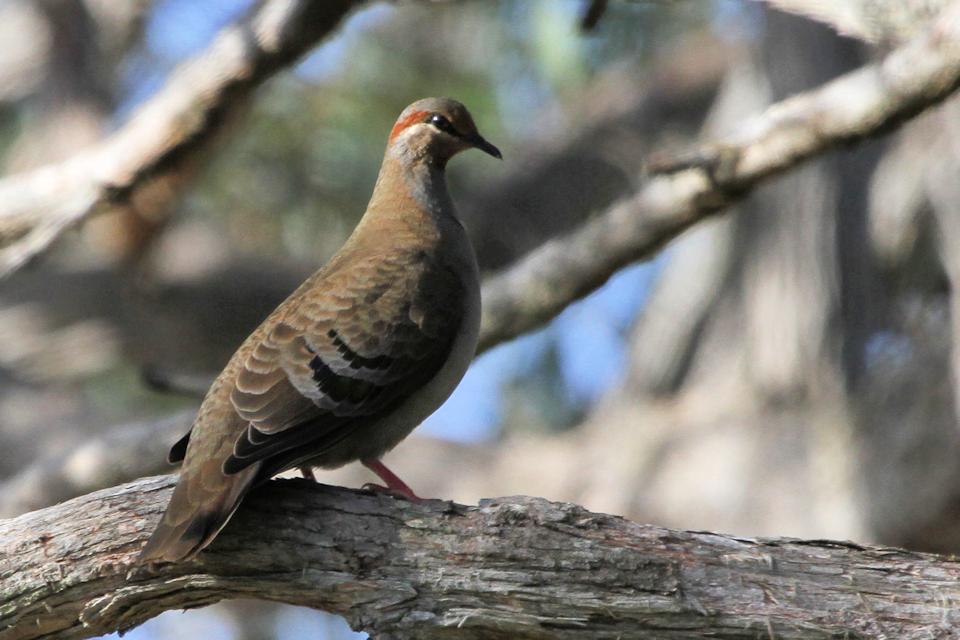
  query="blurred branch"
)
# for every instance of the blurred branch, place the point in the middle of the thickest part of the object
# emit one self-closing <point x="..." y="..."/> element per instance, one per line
<point x="145" y="163"/>
<point x="189" y="385"/>
<point x="874" y="21"/>
<point x="512" y="567"/>
<point x="594" y="153"/>
<point x="123" y="452"/>
<point x="592" y="13"/>
<point x="868" y="102"/>
<point x="685" y="293"/>
<point x="33" y="49"/>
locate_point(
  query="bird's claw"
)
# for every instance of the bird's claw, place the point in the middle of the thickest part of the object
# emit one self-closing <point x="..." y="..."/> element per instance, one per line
<point x="372" y="487"/>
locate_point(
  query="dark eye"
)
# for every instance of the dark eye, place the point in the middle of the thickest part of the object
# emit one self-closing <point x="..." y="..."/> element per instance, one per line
<point x="442" y="123"/>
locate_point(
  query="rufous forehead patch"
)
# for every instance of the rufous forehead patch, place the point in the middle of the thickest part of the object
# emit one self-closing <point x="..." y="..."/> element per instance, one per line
<point x="403" y="123"/>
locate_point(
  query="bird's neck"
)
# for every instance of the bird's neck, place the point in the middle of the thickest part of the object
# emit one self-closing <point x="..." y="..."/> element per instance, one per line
<point x="410" y="205"/>
<point x="409" y="184"/>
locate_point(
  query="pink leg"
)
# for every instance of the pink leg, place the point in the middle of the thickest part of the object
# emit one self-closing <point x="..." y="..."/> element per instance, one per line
<point x="307" y="473"/>
<point x="394" y="484"/>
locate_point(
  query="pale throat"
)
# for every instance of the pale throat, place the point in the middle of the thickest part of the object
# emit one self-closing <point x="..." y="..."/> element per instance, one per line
<point x="417" y="177"/>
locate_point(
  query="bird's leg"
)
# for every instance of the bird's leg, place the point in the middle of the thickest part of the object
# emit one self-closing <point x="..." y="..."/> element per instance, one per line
<point x="395" y="485"/>
<point x="307" y="473"/>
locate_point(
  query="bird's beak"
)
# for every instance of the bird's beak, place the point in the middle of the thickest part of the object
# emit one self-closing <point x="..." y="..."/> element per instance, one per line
<point x="479" y="142"/>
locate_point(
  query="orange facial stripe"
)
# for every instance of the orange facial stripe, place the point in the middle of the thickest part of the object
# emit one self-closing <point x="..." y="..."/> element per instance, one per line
<point x="413" y="118"/>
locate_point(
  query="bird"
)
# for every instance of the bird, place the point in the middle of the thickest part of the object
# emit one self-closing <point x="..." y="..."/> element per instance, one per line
<point x="356" y="357"/>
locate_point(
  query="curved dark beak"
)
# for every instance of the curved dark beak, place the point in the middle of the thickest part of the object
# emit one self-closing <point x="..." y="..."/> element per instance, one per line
<point x="479" y="142"/>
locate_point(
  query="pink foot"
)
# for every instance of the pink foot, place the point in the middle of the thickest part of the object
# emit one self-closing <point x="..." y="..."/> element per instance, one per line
<point x="307" y="473"/>
<point x="395" y="486"/>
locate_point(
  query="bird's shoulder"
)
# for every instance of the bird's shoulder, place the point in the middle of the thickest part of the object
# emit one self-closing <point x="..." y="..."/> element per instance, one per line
<point x="372" y="291"/>
<point x="350" y="340"/>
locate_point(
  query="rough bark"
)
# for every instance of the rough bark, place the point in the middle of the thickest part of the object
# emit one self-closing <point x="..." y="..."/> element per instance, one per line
<point x="509" y="568"/>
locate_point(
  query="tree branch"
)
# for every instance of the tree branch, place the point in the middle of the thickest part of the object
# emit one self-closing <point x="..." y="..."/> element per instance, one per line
<point x="874" y="21"/>
<point x="119" y="454"/>
<point x="509" y="568"/>
<point x="868" y="102"/>
<point x="144" y="164"/>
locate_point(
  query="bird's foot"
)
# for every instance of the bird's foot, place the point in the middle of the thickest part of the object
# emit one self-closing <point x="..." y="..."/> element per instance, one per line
<point x="373" y="487"/>
<point x="307" y="473"/>
<point x="395" y="486"/>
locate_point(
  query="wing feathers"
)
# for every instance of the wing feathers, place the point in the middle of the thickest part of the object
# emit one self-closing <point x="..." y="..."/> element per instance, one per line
<point x="339" y="360"/>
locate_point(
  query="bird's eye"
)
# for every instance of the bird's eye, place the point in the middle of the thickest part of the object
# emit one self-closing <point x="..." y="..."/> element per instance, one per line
<point x="442" y="123"/>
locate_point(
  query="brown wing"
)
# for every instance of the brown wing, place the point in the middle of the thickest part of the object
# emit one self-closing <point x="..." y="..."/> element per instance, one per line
<point x="344" y="355"/>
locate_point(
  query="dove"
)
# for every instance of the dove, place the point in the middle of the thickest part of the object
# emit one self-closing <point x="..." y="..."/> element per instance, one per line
<point x="356" y="357"/>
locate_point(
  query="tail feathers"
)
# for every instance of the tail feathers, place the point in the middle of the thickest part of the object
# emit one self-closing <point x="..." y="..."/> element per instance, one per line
<point x="190" y="524"/>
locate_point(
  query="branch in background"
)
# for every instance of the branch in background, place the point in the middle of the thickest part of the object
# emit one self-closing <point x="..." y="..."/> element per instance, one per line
<point x="158" y="148"/>
<point x="868" y="102"/>
<point x="592" y="12"/>
<point x="29" y="47"/>
<point x="666" y="334"/>
<point x="512" y="567"/>
<point x="144" y="164"/>
<point x="601" y="138"/>
<point x="188" y="385"/>
<point x="874" y="21"/>
<point x="123" y="452"/>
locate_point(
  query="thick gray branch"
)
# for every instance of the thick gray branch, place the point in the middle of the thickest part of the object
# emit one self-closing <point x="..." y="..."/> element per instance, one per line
<point x="874" y="21"/>
<point x="510" y="568"/>
<point x="868" y="102"/>
<point x="144" y="164"/>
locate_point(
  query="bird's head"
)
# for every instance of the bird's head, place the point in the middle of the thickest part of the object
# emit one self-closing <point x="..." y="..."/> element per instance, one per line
<point x="435" y="130"/>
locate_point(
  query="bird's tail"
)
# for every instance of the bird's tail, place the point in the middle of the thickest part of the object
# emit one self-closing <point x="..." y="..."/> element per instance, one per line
<point x="201" y="505"/>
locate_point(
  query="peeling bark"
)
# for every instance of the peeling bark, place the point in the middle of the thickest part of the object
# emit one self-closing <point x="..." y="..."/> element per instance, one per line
<point x="509" y="568"/>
